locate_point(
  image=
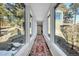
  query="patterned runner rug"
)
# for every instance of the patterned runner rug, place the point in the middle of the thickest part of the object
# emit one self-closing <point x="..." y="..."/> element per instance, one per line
<point x="40" y="47"/>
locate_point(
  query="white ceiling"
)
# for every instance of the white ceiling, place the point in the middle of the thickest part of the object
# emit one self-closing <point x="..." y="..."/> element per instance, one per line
<point x="39" y="10"/>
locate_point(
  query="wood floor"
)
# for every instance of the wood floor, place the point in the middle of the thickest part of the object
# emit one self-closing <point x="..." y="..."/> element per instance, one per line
<point x="40" y="47"/>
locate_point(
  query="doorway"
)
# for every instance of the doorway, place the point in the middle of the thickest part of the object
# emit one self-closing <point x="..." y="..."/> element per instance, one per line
<point x="39" y="29"/>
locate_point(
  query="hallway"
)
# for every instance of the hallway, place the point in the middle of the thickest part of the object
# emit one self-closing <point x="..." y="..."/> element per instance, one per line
<point x="33" y="30"/>
<point x="40" y="47"/>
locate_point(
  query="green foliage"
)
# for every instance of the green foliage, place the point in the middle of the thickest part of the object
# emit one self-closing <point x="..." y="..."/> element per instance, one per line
<point x="13" y="12"/>
<point x="71" y="32"/>
<point x="2" y="10"/>
<point x="74" y="6"/>
<point x="68" y="17"/>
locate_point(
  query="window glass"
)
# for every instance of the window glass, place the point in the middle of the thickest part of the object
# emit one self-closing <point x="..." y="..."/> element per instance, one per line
<point x="30" y="25"/>
<point x="12" y="28"/>
<point x="49" y="25"/>
<point x="67" y="28"/>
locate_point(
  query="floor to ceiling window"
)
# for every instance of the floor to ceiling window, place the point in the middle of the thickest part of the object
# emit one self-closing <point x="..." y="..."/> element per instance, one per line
<point x="30" y="25"/>
<point x="12" y="28"/>
<point x="48" y="20"/>
<point x="67" y="27"/>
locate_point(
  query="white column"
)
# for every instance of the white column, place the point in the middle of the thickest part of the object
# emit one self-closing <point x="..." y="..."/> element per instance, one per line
<point x="45" y="28"/>
<point x="46" y="25"/>
<point x="27" y="17"/>
<point x="52" y="24"/>
<point x="34" y="26"/>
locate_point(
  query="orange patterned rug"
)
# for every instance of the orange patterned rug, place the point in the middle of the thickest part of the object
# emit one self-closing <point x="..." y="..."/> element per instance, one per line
<point x="40" y="47"/>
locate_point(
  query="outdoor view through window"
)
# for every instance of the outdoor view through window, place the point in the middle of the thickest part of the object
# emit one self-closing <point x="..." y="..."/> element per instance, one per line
<point x="49" y="25"/>
<point x="67" y="27"/>
<point x="12" y="28"/>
